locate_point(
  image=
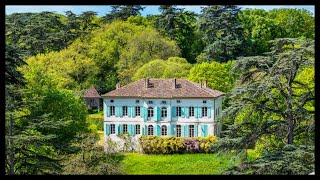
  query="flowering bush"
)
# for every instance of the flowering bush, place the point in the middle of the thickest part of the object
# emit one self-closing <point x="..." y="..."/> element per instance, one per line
<point x="171" y="145"/>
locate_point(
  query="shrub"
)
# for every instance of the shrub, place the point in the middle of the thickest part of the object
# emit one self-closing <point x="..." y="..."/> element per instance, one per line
<point x="171" y="145"/>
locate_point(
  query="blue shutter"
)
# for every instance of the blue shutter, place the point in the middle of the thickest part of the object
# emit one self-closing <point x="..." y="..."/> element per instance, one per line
<point x="173" y="112"/>
<point x="158" y="114"/>
<point x="155" y="113"/>
<point x="133" y="129"/>
<point x="204" y="129"/>
<point x="187" y="112"/>
<point x="134" y="111"/>
<point x="107" y="129"/>
<point x="186" y="131"/>
<point x="117" y="129"/>
<point x="168" y="114"/>
<point x="117" y="111"/>
<point x="145" y="114"/>
<point x="209" y="112"/>
<point x="182" y="131"/>
<point x="195" y="130"/>
<point x="158" y="130"/>
<point x="169" y="130"/>
<point x="120" y="111"/>
<point x="200" y="112"/>
<point x="195" y="112"/>
<point x="182" y="111"/>
<point x="108" y="111"/>
<point x="129" y="111"/>
<point x="173" y="130"/>
<point x="120" y="129"/>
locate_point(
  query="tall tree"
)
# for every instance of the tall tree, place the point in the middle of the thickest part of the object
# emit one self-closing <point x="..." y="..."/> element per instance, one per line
<point x="222" y="32"/>
<point x="122" y="12"/>
<point x="87" y="18"/>
<point x="272" y="94"/>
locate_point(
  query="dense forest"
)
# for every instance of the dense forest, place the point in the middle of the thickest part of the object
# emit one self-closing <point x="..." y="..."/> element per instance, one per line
<point x="262" y="60"/>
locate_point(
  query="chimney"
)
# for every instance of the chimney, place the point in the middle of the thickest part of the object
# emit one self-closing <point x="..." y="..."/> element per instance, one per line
<point x="146" y="82"/>
<point x="118" y="86"/>
<point x="174" y="83"/>
<point x="205" y="83"/>
<point x="200" y="82"/>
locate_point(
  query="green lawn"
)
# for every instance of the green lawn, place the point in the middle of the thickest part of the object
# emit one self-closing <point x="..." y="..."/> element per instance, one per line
<point x="135" y="163"/>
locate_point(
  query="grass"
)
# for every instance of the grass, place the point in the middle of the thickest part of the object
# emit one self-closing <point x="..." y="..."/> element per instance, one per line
<point x="135" y="163"/>
<point x="98" y="115"/>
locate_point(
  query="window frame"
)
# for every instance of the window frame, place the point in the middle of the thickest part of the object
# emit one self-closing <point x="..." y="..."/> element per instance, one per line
<point x="178" y="111"/>
<point x="125" y="110"/>
<point x="164" y="130"/>
<point x="204" y="111"/>
<point x="150" y="130"/>
<point x="137" y="108"/>
<point x="178" y="130"/>
<point x="137" y="129"/>
<point x="112" y="110"/>
<point x="112" y="129"/>
<point x="150" y="112"/>
<point x="191" y="111"/>
<point x="124" y="128"/>
<point x="191" y="130"/>
<point x="164" y="111"/>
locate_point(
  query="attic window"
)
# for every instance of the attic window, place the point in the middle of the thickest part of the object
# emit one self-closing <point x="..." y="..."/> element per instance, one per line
<point x="178" y="101"/>
<point x="178" y="85"/>
<point x="163" y="102"/>
<point x="204" y="101"/>
<point x="150" y="85"/>
<point x="111" y="100"/>
<point x="137" y="101"/>
<point x="150" y="102"/>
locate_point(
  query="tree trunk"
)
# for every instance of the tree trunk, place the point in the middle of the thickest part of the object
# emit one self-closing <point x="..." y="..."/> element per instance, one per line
<point x="290" y="129"/>
<point x="289" y="113"/>
<point x="11" y="155"/>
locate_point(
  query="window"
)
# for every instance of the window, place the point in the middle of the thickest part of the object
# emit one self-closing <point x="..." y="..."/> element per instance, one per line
<point x="163" y="102"/>
<point x="191" y="130"/>
<point x="204" y="111"/>
<point x="204" y="101"/>
<point x="112" y="111"/>
<point x="163" y="130"/>
<point x="150" y="112"/>
<point x="112" y="129"/>
<point x="125" y="110"/>
<point x="178" y="111"/>
<point x="178" y="130"/>
<point x="137" y="101"/>
<point x="137" y="129"/>
<point x="150" y="102"/>
<point x="163" y="112"/>
<point x="137" y="110"/>
<point x="178" y="101"/>
<point x="111" y="100"/>
<point x="125" y="129"/>
<point x="191" y="111"/>
<point x="150" y="130"/>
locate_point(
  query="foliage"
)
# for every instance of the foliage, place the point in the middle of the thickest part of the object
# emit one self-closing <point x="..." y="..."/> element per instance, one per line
<point x="178" y="164"/>
<point x="172" y="145"/>
<point x="270" y="100"/>
<point x="181" y="26"/>
<point x="174" y="67"/>
<point x="222" y="32"/>
<point x="122" y="12"/>
<point x="91" y="159"/>
<point x="291" y="160"/>
<point x="218" y="75"/>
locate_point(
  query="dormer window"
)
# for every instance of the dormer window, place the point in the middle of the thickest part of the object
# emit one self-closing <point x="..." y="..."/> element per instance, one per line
<point x="178" y="101"/>
<point x="150" y="102"/>
<point x="111" y="100"/>
<point x="163" y="102"/>
<point x="204" y="102"/>
<point x="137" y="101"/>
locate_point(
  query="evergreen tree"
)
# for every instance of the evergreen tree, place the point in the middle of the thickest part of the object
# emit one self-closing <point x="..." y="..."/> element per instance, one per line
<point x="122" y="12"/>
<point x="222" y="32"/>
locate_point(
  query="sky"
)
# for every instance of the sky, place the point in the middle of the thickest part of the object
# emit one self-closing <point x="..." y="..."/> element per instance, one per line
<point x="103" y="9"/>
